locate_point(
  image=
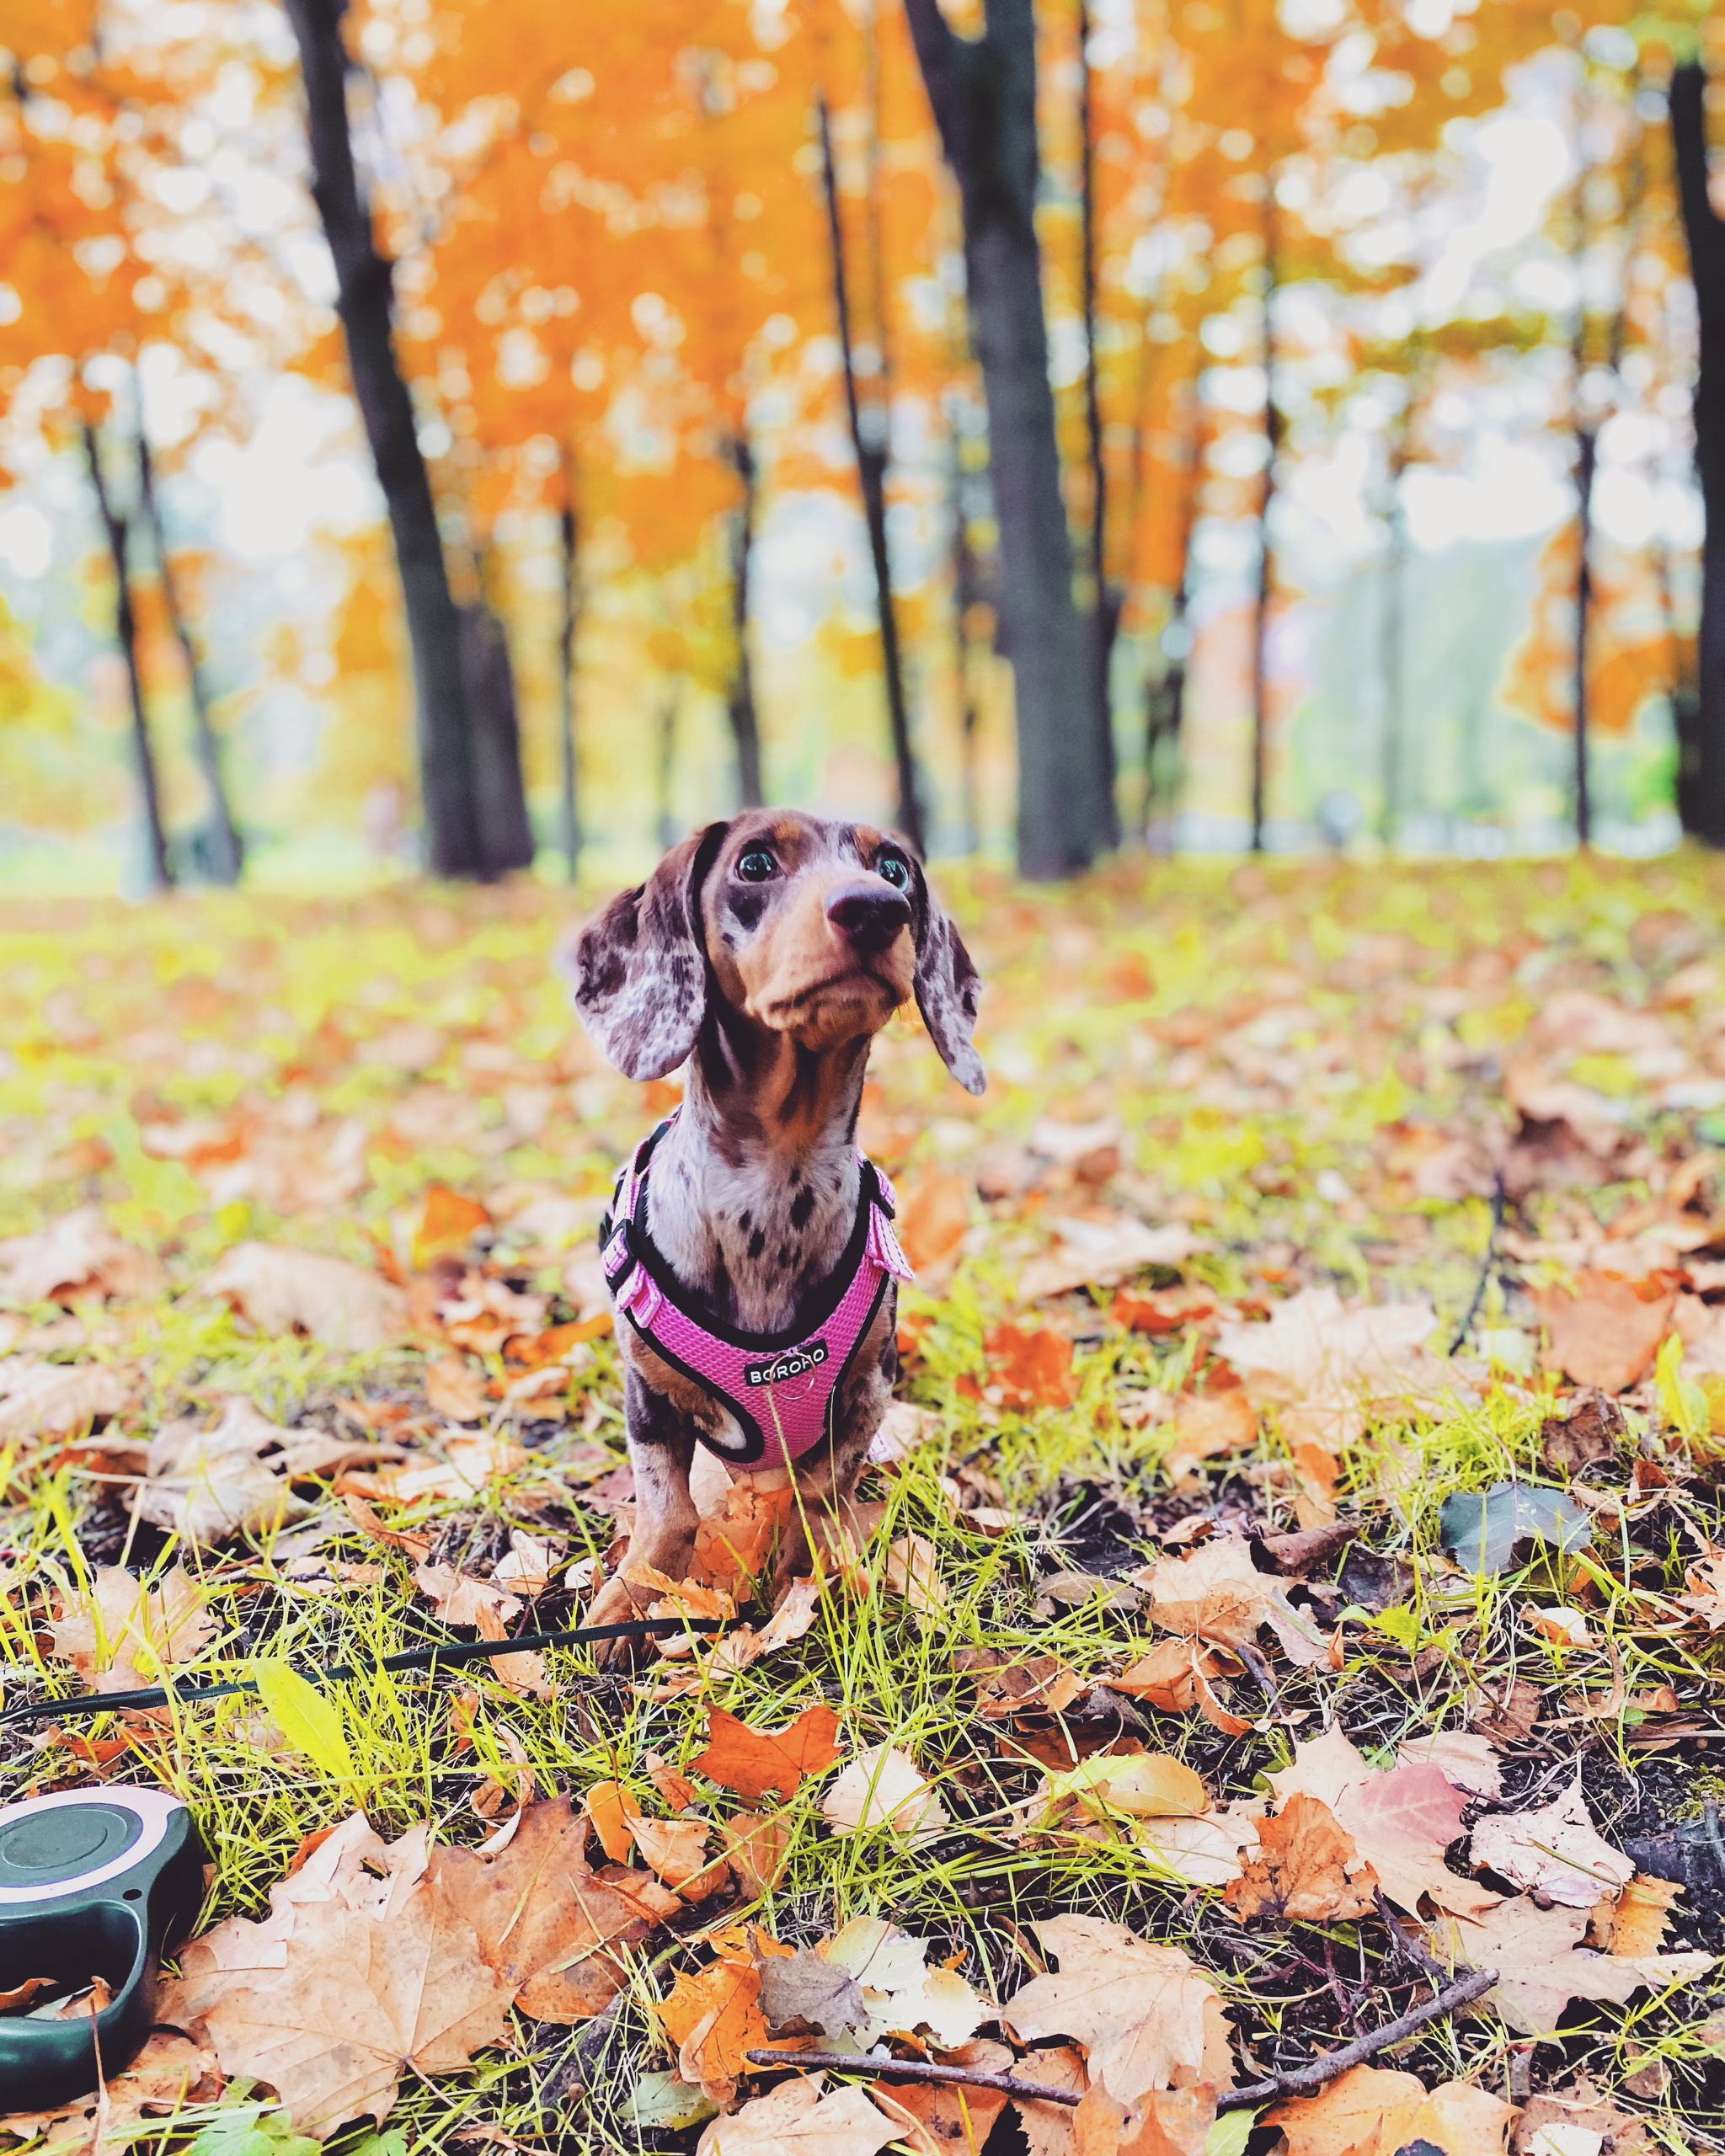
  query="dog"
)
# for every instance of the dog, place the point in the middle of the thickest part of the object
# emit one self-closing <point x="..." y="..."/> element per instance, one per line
<point x="749" y="1254"/>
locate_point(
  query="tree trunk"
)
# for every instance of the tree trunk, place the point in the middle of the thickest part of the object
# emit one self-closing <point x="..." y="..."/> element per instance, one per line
<point x="1391" y="657"/>
<point x="1105" y="603"/>
<point x="745" y="727"/>
<point x="983" y="93"/>
<point x="222" y="850"/>
<point x="568" y="809"/>
<point x="870" y="444"/>
<point x="1704" y="802"/>
<point x="1586" y="460"/>
<point x="1266" y="563"/>
<point x="967" y="591"/>
<point x="125" y="631"/>
<point x="448" y="772"/>
<point x="499" y="803"/>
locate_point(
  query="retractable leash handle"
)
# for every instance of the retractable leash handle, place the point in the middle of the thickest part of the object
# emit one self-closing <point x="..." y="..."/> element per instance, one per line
<point x="92" y="1884"/>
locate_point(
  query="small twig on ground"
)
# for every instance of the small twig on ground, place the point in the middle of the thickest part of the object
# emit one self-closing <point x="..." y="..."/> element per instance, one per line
<point x="916" y="2069"/>
<point x="1408" y="1946"/>
<point x="1489" y="1267"/>
<point x="1305" y="2078"/>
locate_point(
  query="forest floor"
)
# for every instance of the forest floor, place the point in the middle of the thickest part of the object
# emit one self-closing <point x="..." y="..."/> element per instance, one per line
<point x="1291" y="1585"/>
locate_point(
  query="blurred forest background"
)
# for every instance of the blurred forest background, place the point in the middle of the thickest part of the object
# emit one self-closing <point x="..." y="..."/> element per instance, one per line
<point x="483" y="433"/>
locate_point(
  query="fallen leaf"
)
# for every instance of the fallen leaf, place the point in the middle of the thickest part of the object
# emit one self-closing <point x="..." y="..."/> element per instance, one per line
<point x="882" y="1788"/>
<point x="947" y="2121"/>
<point x="798" y="2121"/>
<point x="1097" y="1253"/>
<point x="1330" y="1366"/>
<point x="1402" y="1820"/>
<point x="1541" y="1964"/>
<point x="1637" y="1921"/>
<point x="1048" y="2127"/>
<point x="913" y="1570"/>
<point x="168" y="2075"/>
<point x="1175" y="1676"/>
<point x="1368" y="2109"/>
<point x="548" y="1924"/>
<point x="1468" y="1761"/>
<point x="1306" y="1870"/>
<point x="1554" y="1851"/>
<point x="676" y="1849"/>
<point x="468" y="1465"/>
<point x="1483" y="1528"/>
<point x="611" y="1809"/>
<point x="118" y="1635"/>
<point x="281" y="1289"/>
<point x="458" y="1599"/>
<point x="1032" y="1369"/>
<point x="1587" y="1429"/>
<point x="74" y="1254"/>
<point x="1146" y="1784"/>
<point x="1142" y="2011"/>
<point x="801" y="1994"/>
<point x="209" y="1484"/>
<point x="753" y="1761"/>
<point x="1606" y="1331"/>
<point x="1209" y="1423"/>
<point x="1216" y="1592"/>
<point x="1203" y="1852"/>
<point x="454" y="1390"/>
<point x="933" y="1216"/>
<point x="756" y="1849"/>
<point x="902" y="1994"/>
<point x="446" y="1224"/>
<point x="713" y="2017"/>
<point x="40" y="1399"/>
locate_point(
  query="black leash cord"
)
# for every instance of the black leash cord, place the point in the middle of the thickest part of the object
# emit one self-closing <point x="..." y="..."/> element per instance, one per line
<point x="85" y="1704"/>
<point x="1488" y="1267"/>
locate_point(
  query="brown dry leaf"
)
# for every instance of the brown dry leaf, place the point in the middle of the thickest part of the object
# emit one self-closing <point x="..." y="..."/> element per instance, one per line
<point x="1607" y="1331"/>
<point x="458" y="1599"/>
<point x="1585" y="2123"/>
<point x="950" y="2120"/>
<point x="333" y="2013"/>
<point x="529" y="1564"/>
<point x="77" y="1254"/>
<point x="1541" y="1964"/>
<point x="1706" y="1581"/>
<point x="934" y="1216"/>
<point x="120" y="1629"/>
<point x="52" y="1399"/>
<point x="468" y="1464"/>
<point x="1506" y="1711"/>
<point x="1208" y="1424"/>
<point x="1402" y="1821"/>
<point x="1328" y="1366"/>
<point x="1100" y="1250"/>
<point x="209" y="1484"/>
<point x="756" y="1848"/>
<point x="1048" y="2127"/>
<point x="1175" y="1676"/>
<point x="1143" y="2012"/>
<point x="1027" y="1685"/>
<point x="882" y="1788"/>
<point x="713" y="2016"/>
<point x="1306" y="1870"/>
<point x="524" y="1672"/>
<point x="611" y="1808"/>
<point x="454" y="1390"/>
<point x="1370" y="2112"/>
<point x="1216" y="1592"/>
<point x="416" y="1546"/>
<point x="170" y="2074"/>
<point x="913" y="1570"/>
<point x="735" y="1539"/>
<point x="675" y="1787"/>
<point x="1468" y="1761"/>
<point x="548" y="1924"/>
<point x="286" y="1290"/>
<point x="676" y="1849"/>
<point x="803" y="1994"/>
<point x="753" y="1761"/>
<point x="1554" y="1851"/>
<point x="798" y="2121"/>
<point x="1637" y="1921"/>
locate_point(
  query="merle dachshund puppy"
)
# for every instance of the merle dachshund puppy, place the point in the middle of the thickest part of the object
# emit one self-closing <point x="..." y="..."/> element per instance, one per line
<point x="749" y="1253"/>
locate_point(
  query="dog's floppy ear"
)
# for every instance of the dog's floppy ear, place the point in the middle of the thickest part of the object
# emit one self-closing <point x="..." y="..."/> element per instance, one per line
<point x="948" y="988"/>
<point x="638" y="972"/>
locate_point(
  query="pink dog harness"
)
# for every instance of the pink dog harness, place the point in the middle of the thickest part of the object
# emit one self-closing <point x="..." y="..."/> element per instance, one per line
<point x="779" y="1388"/>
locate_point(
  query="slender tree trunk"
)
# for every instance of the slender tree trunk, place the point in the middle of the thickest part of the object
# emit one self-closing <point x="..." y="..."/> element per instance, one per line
<point x="1586" y="461"/>
<point x="568" y="808"/>
<point x="225" y="852"/>
<point x="667" y="763"/>
<point x="363" y="294"/>
<point x="125" y="631"/>
<point x="499" y="802"/>
<point x="870" y="444"/>
<point x="983" y="93"/>
<point x="1266" y="561"/>
<point x="745" y="727"/>
<point x="966" y="592"/>
<point x="1392" y="654"/>
<point x="1165" y="698"/>
<point x="1705" y="233"/>
<point x="1105" y="616"/>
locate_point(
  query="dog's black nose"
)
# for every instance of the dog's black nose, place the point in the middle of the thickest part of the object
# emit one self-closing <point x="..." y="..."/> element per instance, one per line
<point x="868" y="911"/>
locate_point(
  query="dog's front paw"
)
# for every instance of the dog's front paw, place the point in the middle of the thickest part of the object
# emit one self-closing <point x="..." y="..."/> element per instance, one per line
<point x="614" y="1604"/>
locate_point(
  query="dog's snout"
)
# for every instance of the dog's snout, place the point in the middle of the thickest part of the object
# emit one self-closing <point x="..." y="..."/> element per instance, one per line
<point x="868" y="911"/>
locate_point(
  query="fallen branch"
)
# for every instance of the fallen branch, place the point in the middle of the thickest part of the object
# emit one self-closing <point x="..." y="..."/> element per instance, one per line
<point x="1305" y="2078"/>
<point x="916" y="2069"/>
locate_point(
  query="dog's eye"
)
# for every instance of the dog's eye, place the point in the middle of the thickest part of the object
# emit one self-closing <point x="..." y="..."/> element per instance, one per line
<point x="757" y="866"/>
<point x="893" y="868"/>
